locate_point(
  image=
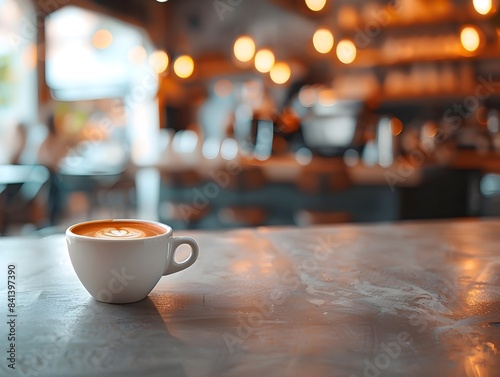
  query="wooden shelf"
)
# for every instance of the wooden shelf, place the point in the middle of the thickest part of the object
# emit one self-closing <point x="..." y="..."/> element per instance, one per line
<point x="433" y="97"/>
<point x="453" y="19"/>
<point x="426" y="13"/>
<point x="371" y="58"/>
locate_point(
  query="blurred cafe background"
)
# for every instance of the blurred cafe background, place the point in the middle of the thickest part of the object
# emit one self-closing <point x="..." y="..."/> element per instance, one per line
<point x="212" y="114"/>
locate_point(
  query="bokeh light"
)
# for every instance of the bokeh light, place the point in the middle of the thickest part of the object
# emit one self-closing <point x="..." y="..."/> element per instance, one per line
<point x="137" y="55"/>
<point x="346" y="51"/>
<point x="159" y="61"/>
<point x="280" y="73"/>
<point x="30" y="56"/>
<point x="429" y="129"/>
<point x="102" y="39"/>
<point x="244" y="48"/>
<point x="184" y="66"/>
<point x="315" y="5"/>
<point x="303" y="156"/>
<point x="210" y="148"/>
<point x="483" y="6"/>
<point x="307" y="96"/>
<point x="470" y="38"/>
<point x="351" y="157"/>
<point x="347" y="17"/>
<point x="323" y="41"/>
<point x="229" y="149"/>
<point x="327" y="97"/>
<point x="264" y="60"/>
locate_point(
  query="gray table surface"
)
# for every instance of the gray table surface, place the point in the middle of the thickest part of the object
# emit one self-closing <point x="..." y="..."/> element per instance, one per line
<point x="412" y="299"/>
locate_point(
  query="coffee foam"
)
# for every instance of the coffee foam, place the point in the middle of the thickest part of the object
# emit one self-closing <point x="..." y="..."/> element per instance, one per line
<point x="124" y="232"/>
<point x="118" y="230"/>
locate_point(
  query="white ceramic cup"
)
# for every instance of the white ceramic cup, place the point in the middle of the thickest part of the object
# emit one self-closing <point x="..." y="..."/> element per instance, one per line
<point x="121" y="270"/>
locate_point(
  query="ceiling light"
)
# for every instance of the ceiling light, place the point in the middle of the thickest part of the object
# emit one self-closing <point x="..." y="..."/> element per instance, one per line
<point x="280" y="73"/>
<point x="244" y="48"/>
<point x="323" y="41"/>
<point x="470" y="39"/>
<point x="184" y="66"/>
<point x="159" y="61"/>
<point x="482" y="6"/>
<point x="315" y="5"/>
<point x="346" y="51"/>
<point x="264" y="60"/>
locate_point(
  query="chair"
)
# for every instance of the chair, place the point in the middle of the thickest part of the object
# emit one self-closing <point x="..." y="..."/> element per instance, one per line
<point x="87" y="195"/>
<point x="23" y="195"/>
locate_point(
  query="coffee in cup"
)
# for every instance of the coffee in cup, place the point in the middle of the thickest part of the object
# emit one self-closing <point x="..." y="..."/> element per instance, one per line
<point x="112" y="229"/>
<point x="120" y="261"/>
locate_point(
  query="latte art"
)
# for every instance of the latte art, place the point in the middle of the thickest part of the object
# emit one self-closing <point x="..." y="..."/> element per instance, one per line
<point x="118" y="229"/>
<point x="120" y="233"/>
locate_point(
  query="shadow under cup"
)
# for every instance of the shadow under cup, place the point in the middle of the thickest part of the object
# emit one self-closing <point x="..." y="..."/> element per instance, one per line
<point x="120" y="261"/>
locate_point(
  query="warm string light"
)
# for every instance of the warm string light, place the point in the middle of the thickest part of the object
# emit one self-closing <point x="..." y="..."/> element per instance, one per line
<point x="184" y="66"/>
<point x="264" y="60"/>
<point x="346" y="51"/>
<point x="470" y="38"/>
<point x="323" y="41"/>
<point x="315" y="5"/>
<point x="159" y="61"/>
<point x="280" y="73"/>
<point x="244" y="48"/>
<point x="483" y="6"/>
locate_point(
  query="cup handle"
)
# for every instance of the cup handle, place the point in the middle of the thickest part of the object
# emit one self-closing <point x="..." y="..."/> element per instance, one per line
<point x="173" y="266"/>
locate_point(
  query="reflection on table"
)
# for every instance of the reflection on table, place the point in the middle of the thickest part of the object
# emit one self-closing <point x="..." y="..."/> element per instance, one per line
<point x="413" y="299"/>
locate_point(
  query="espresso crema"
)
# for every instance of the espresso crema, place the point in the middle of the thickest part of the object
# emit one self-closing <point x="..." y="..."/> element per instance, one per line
<point x="118" y="230"/>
